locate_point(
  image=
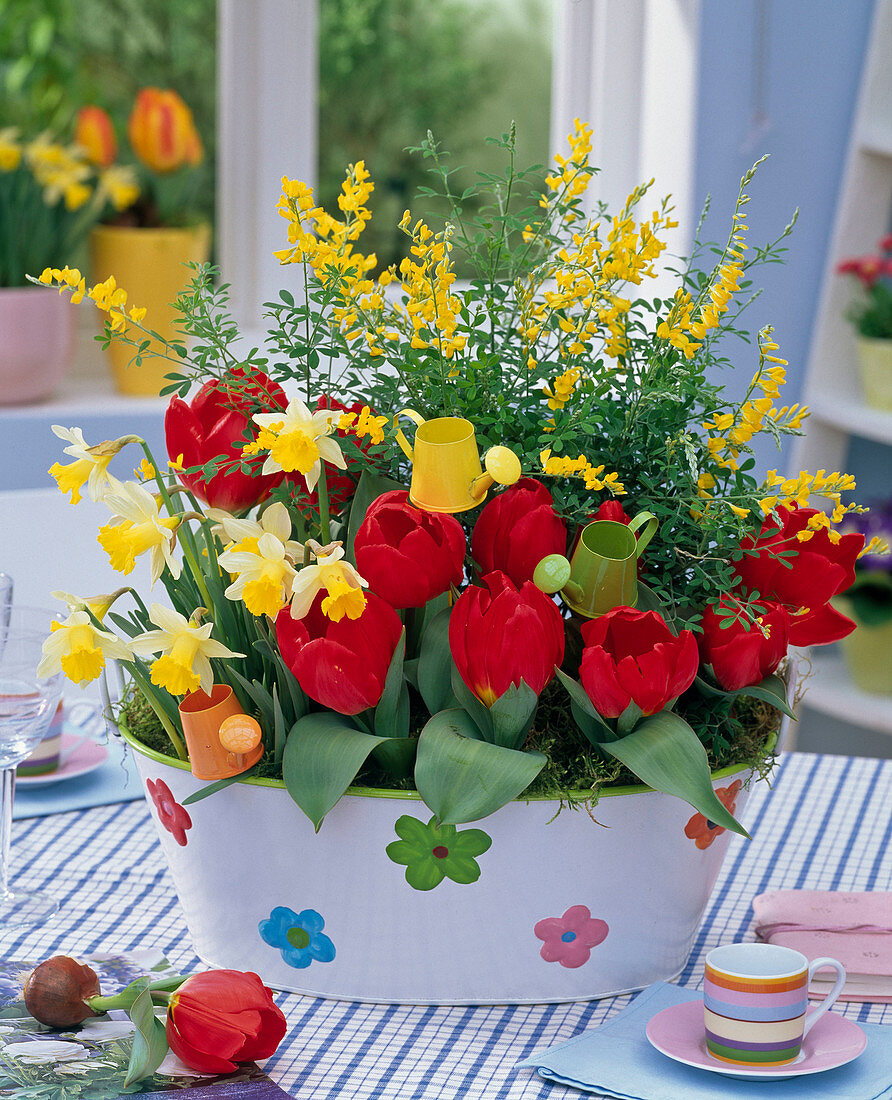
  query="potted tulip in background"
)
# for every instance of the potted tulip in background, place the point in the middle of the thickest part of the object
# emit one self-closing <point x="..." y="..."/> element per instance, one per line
<point x="868" y="602"/>
<point x="872" y="317"/>
<point x="498" y="601"/>
<point x="147" y="246"/>
<point x="50" y="196"/>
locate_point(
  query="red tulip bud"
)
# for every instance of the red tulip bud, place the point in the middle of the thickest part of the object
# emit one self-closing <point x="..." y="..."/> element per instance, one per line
<point x="516" y="530"/>
<point x="741" y="657"/>
<point x="56" y="992"/>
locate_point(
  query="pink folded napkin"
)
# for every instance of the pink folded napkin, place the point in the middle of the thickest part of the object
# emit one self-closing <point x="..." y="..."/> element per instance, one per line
<point x="855" y="928"/>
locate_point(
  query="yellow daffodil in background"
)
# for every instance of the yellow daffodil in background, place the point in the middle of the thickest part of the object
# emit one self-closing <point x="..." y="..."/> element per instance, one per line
<point x="264" y="575"/>
<point x="90" y="466"/>
<point x="338" y="578"/>
<point x="297" y="440"/>
<point x="137" y="526"/>
<point x="10" y="149"/>
<point x="185" y="648"/>
<point x="246" y="533"/>
<point x="79" y="649"/>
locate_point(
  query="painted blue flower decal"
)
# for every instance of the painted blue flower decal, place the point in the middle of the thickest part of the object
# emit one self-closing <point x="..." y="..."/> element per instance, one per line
<point x="298" y="936"/>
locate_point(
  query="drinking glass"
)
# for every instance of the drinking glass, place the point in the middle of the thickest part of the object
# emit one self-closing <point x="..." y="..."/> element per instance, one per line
<point x="27" y="704"/>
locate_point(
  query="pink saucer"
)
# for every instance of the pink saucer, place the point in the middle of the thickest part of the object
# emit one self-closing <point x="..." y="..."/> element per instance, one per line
<point x="678" y="1033"/>
<point x="84" y="758"/>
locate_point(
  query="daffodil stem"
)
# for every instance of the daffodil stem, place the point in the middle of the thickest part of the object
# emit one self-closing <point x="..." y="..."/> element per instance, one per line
<point x="324" y="511"/>
<point x="148" y="692"/>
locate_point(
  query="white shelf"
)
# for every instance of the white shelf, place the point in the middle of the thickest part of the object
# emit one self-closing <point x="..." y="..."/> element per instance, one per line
<point x="852" y="415"/>
<point x="829" y="690"/>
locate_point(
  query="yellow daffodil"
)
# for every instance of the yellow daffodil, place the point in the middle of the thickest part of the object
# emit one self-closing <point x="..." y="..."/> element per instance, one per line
<point x="90" y="466"/>
<point x="137" y="526"/>
<point x="97" y="605"/>
<point x="245" y="533"/>
<point x="338" y="578"/>
<point x="185" y="648"/>
<point x="264" y="575"/>
<point x="297" y="440"/>
<point x="79" y="649"/>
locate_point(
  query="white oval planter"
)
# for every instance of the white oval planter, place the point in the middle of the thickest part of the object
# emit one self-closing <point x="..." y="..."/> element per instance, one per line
<point x="331" y="914"/>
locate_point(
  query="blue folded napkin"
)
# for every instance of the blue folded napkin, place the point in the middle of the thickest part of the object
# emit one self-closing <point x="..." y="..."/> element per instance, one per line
<point x="617" y="1060"/>
<point x="116" y="780"/>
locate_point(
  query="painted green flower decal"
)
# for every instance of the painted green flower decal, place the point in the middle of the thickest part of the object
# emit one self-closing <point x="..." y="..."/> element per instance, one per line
<point x="433" y="852"/>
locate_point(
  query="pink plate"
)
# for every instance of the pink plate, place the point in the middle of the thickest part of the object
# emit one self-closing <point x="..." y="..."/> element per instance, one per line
<point x="86" y="757"/>
<point x="678" y="1033"/>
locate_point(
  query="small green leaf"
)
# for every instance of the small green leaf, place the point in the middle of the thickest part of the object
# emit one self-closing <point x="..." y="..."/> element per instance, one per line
<point x="463" y="779"/>
<point x="475" y="708"/>
<point x="665" y="753"/>
<point x="397" y="755"/>
<point x="149" y="1039"/>
<point x="435" y="664"/>
<point x="217" y="785"/>
<point x="512" y="715"/>
<point x="587" y="718"/>
<point x="392" y="711"/>
<point x="323" y="753"/>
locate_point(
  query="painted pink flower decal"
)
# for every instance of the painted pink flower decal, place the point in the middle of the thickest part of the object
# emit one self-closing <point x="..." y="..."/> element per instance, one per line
<point x="171" y="814"/>
<point x="569" y="939"/>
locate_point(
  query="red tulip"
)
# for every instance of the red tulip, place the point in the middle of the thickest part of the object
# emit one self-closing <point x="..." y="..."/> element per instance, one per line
<point x="741" y="657"/>
<point x="632" y="656"/>
<point x="222" y="1017"/>
<point x="408" y="556"/>
<point x="612" y="510"/>
<point x="502" y="634"/>
<point x="342" y="665"/>
<point x="95" y="134"/>
<point x="213" y="424"/>
<point x="516" y="530"/>
<point x="341" y="483"/>
<point x="804" y="583"/>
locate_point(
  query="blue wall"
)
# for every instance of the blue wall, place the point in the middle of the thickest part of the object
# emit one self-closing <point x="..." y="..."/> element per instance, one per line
<point x="812" y="53"/>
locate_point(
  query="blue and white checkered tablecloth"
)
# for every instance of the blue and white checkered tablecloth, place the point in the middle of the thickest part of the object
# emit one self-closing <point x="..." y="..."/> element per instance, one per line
<point x="825" y="824"/>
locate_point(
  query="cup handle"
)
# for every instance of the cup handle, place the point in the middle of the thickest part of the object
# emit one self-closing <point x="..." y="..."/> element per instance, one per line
<point x="647" y="534"/>
<point x="816" y="1013"/>
<point x="400" y="437"/>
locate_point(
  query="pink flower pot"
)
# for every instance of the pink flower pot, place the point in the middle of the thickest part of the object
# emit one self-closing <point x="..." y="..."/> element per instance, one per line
<point x="36" y="339"/>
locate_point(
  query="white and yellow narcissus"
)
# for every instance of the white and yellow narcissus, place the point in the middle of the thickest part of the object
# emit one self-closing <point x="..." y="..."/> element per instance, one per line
<point x="90" y="466"/>
<point x="137" y="526"/>
<point x="79" y="649"/>
<point x="338" y="578"/>
<point x="297" y="440"/>
<point x="185" y="648"/>
<point x="246" y="533"/>
<point x="263" y="573"/>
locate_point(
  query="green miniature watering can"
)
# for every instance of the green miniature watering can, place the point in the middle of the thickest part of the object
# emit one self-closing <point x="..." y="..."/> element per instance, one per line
<point x="603" y="572"/>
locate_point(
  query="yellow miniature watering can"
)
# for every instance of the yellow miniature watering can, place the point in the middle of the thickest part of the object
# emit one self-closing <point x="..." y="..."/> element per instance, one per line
<point x="446" y="471"/>
<point x="603" y="572"/>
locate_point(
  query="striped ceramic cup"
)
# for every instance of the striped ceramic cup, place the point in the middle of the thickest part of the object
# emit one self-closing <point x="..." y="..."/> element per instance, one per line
<point x="755" y="1000"/>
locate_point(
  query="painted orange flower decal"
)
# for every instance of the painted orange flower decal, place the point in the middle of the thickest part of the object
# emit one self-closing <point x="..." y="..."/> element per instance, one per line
<point x="703" y="831"/>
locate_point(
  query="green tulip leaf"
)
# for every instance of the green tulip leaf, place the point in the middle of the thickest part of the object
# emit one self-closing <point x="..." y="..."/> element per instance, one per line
<point x="771" y="690"/>
<point x="410" y="671"/>
<point x="587" y="718"/>
<point x="473" y="706"/>
<point x="218" y="785"/>
<point x="258" y="695"/>
<point x="665" y="753"/>
<point x="435" y="664"/>
<point x="463" y="779"/>
<point x="392" y="711"/>
<point x="397" y="756"/>
<point x="323" y="753"/>
<point x="149" y="1039"/>
<point x="370" y="487"/>
<point x="648" y="600"/>
<point x="512" y="715"/>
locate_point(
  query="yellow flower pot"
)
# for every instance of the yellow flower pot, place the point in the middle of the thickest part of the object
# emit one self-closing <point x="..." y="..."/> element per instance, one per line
<point x="868" y="652"/>
<point x="149" y="265"/>
<point x="875" y="361"/>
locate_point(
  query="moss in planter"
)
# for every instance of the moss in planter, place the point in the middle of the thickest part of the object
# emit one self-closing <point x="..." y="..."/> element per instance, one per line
<point x="735" y="734"/>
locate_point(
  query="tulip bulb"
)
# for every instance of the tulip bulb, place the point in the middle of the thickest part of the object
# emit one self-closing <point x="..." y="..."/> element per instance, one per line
<point x="56" y="992"/>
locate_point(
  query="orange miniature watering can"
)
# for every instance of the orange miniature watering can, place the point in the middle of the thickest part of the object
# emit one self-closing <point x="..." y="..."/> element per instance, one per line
<point x="203" y="716"/>
<point x="446" y="471"/>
